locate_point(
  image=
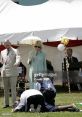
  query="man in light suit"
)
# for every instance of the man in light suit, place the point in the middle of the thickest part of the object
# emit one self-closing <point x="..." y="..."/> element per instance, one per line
<point x="10" y="58"/>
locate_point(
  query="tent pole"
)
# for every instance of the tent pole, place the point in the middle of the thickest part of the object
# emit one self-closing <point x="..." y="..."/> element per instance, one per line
<point x="68" y="78"/>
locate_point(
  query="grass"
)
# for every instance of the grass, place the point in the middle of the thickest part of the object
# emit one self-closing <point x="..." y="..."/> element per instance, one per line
<point x="61" y="98"/>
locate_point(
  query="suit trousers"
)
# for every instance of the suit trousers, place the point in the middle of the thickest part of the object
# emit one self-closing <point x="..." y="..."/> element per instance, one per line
<point x="9" y="83"/>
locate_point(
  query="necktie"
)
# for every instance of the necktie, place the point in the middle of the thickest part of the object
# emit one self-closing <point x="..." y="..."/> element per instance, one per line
<point x="69" y="59"/>
<point x="8" y="51"/>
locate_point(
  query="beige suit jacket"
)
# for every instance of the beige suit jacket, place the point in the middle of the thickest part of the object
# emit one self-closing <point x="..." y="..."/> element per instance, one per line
<point x="10" y="62"/>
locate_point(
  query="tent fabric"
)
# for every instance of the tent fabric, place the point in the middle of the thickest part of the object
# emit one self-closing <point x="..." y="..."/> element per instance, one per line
<point x="72" y="43"/>
<point x="50" y="20"/>
<point x="47" y="35"/>
<point x="16" y="18"/>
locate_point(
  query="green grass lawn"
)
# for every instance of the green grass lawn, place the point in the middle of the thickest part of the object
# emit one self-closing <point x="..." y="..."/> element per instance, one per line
<point x="61" y="98"/>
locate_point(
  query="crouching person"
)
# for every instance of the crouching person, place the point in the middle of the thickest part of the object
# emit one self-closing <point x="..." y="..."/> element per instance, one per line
<point x="49" y="93"/>
<point x="31" y="100"/>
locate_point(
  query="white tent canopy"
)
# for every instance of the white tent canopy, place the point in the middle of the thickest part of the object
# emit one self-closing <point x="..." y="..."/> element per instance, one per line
<point x="47" y="35"/>
<point x="50" y="20"/>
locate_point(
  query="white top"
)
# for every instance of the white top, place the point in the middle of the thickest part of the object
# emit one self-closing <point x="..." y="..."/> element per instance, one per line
<point x="25" y="95"/>
<point x="46" y="84"/>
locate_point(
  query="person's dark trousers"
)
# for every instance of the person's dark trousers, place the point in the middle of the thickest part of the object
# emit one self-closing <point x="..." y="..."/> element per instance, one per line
<point x="36" y="100"/>
<point x="49" y="96"/>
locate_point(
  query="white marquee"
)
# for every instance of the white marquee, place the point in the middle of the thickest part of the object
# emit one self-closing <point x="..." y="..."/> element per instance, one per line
<point x="53" y="18"/>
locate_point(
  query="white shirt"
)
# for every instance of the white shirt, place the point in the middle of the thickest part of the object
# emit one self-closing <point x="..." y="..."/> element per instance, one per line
<point x="25" y="95"/>
<point x="46" y="84"/>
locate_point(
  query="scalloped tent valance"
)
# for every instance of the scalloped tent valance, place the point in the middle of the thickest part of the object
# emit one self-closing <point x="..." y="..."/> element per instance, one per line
<point x="72" y="43"/>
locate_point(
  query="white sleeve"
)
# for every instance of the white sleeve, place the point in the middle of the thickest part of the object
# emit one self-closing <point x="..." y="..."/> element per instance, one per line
<point x="1" y="59"/>
<point x="21" y="104"/>
<point x="18" y="58"/>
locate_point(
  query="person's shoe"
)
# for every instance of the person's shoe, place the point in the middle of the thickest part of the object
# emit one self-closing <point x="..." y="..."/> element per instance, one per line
<point x="75" y="108"/>
<point x="6" y="106"/>
<point x="31" y="108"/>
<point x="38" y="109"/>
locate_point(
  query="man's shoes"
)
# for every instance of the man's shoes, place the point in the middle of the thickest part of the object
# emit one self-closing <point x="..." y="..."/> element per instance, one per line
<point x="75" y="109"/>
<point x="32" y="109"/>
<point x="6" y="106"/>
<point x="38" y="109"/>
